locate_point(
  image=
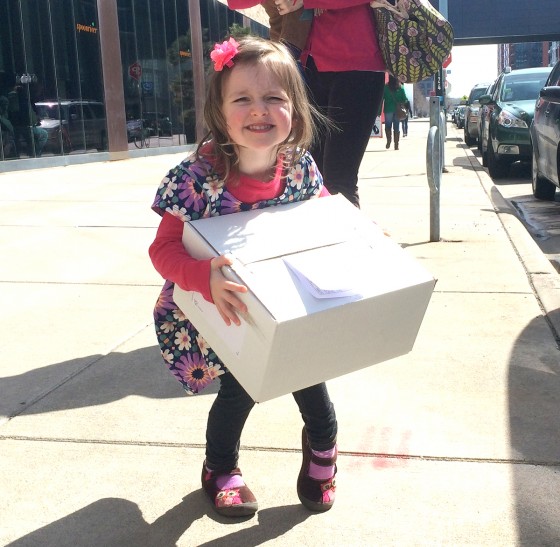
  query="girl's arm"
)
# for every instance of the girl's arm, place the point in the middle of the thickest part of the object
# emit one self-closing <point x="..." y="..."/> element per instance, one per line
<point x="173" y="262"/>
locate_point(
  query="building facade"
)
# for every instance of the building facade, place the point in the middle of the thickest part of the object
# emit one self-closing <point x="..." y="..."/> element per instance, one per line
<point x="527" y="54"/>
<point x="106" y="79"/>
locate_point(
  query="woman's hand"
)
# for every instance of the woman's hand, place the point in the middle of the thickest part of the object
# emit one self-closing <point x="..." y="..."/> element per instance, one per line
<point x="287" y="6"/>
<point x="223" y="292"/>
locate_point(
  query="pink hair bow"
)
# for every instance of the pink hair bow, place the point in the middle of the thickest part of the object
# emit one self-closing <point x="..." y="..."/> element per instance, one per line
<point x="223" y="54"/>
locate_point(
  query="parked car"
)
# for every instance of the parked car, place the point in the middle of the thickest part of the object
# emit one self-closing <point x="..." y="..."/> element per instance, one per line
<point x="453" y="110"/>
<point x="483" y="116"/>
<point x="505" y="136"/>
<point x="460" y="116"/>
<point x="471" y="113"/>
<point x="545" y="138"/>
<point x="73" y="125"/>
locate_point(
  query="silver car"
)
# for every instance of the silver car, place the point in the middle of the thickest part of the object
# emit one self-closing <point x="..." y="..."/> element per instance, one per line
<point x="472" y="112"/>
<point x="73" y="125"/>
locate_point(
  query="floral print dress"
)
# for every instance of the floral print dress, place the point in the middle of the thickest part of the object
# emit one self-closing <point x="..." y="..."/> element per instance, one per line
<point x="190" y="191"/>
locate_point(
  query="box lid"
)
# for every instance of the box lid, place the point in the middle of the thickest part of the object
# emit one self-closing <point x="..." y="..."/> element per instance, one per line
<point x="253" y="235"/>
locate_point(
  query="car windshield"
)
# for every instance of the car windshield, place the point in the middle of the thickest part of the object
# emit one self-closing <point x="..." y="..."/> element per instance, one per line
<point x="477" y="93"/>
<point x="523" y="87"/>
<point x="48" y="111"/>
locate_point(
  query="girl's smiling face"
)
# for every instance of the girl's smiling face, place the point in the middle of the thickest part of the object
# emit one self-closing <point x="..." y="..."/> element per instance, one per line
<point x="257" y="111"/>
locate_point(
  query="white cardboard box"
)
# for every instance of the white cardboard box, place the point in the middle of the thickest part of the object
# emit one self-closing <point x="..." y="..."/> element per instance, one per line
<point x="291" y="339"/>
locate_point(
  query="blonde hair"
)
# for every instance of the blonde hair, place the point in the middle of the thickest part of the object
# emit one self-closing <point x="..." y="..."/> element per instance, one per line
<point x="278" y="61"/>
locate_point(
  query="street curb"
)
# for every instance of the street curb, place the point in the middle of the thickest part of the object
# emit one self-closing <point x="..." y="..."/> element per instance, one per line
<point x="543" y="276"/>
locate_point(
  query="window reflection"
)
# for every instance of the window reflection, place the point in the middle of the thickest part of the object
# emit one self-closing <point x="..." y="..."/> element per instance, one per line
<point x="51" y="84"/>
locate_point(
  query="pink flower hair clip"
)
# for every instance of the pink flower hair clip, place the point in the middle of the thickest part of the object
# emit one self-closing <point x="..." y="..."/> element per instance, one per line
<point x="223" y="54"/>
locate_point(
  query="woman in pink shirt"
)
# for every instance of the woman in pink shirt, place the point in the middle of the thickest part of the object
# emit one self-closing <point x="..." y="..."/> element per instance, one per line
<point x="345" y="74"/>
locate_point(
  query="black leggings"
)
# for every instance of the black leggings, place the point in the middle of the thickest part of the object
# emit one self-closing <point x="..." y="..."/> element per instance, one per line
<point x="351" y="100"/>
<point x="232" y="407"/>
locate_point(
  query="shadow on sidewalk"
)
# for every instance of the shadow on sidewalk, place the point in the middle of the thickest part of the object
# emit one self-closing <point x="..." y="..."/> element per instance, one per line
<point x="534" y="415"/>
<point x="96" y="380"/>
<point x="117" y="521"/>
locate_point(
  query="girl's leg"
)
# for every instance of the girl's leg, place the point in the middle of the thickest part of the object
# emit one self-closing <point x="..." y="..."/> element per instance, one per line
<point x="221" y="478"/>
<point x="316" y="479"/>
<point x="351" y="100"/>
<point x="318" y="416"/>
<point x="226" y="420"/>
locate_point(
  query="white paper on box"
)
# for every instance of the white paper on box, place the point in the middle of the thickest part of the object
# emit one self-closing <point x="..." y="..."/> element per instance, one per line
<point x="290" y="339"/>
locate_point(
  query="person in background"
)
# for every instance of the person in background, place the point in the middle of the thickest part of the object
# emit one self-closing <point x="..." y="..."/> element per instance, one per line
<point x="23" y="113"/>
<point x="7" y="135"/>
<point x="393" y="93"/>
<point x="255" y="155"/>
<point x="405" y="121"/>
<point x="345" y="74"/>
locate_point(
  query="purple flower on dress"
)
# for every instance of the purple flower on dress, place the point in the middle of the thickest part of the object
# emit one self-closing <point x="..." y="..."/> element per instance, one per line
<point x="412" y="31"/>
<point x="193" y="197"/>
<point x="392" y="26"/>
<point x="230" y="204"/>
<point x="403" y="50"/>
<point x="165" y="302"/>
<point x="194" y="371"/>
<point x="198" y="168"/>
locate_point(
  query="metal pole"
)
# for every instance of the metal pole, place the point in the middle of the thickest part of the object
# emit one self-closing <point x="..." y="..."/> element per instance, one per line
<point x="434" y="164"/>
<point x="434" y="179"/>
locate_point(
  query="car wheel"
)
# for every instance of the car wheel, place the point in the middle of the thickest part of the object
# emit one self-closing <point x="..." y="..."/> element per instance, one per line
<point x="484" y="155"/>
<point x="497" y="168"/>
<point x="542" y="188"/>
<point x="469" y="141"/>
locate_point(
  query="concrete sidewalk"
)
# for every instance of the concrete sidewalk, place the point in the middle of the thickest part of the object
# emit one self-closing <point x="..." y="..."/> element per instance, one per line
<point x="456" y="443"/>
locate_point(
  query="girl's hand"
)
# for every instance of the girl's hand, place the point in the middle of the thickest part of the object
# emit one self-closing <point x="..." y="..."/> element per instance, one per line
<point x="223" y="292"/>
<point x="287" y="6"/>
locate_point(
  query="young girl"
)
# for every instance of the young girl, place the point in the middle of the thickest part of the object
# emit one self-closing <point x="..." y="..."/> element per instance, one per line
<point x="260" y="124"/>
